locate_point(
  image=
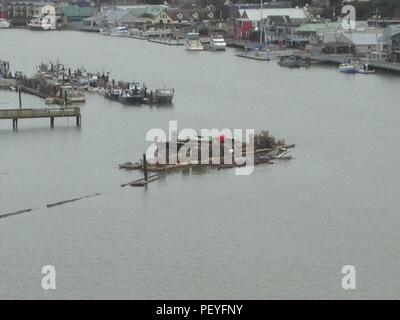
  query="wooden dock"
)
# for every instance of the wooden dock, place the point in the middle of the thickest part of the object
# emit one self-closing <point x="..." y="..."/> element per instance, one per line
<point x="381" y="66"/>
<point x="165" y="41"/>
<point x="52" y="113"/>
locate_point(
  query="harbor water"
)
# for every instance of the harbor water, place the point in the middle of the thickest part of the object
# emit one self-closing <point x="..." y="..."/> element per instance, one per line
<point x="285" y="231"/>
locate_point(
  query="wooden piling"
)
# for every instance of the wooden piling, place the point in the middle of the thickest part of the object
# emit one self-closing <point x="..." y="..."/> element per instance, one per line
<point x="145" y="166"/>
<point x="52" y="122"/>
<point x="20" y="100"/>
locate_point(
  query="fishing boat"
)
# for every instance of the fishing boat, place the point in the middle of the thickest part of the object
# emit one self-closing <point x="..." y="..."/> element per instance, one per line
<point x="4" y="23"/>
<point x="131" y="97"/>
<point x="347" y="68"/>
<point x="289" y="62"/>
<point x="120" y="32"/>
<point x="217" y="43"/>
<point x="193" y="42"/>
<point x="113" y="94"/>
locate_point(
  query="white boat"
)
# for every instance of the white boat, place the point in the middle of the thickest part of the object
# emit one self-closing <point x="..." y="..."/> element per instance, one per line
<point x="217" y="43"/>
<point x="120" y="32"/>
<point x="347" y="68"/>
<point x="105" y="32"/>
<point x="41" y="23"/>
<point x="4" y="23"/>
<point x="193" y="42"/>
<point x="364" y="69"/>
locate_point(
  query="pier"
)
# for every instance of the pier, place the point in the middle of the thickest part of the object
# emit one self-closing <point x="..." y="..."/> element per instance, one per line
<point x="381" y="66"/>
<point x="17" y="114"/>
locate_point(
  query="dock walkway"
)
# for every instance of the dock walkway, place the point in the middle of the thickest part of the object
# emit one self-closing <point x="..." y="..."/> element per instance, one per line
<point x="338" y="59"/>
<point x="51" y="113"/>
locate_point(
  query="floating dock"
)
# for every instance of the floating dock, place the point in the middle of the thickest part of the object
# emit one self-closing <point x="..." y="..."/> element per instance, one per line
<point x="381" y="66"/>
<point x="165" y="41"/>
<point x="24" y="113"/>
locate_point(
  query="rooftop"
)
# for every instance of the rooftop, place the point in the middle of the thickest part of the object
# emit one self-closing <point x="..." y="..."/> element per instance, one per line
<point x="255" y="14"/>
<point x="363" y="38"/>
<point x="318" y="27"/>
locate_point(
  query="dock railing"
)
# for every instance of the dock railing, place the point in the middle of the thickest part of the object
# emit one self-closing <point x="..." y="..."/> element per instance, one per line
<point x="50" y="113"/>
<point x="39" y="113"/>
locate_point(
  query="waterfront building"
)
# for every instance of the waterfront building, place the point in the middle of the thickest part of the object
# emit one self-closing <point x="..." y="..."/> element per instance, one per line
<point x="388" y="47"/>
<point x="74" y="13"/>
<point x="249" y="22"/>
<point x="281" y="30"/>
<point x="190" y="15"/>
<point x="364" y="43"/>
<point x="149" y="15"/>
<point x="128" y="16"/>
<point x="383" y="23"/>
<point x="22" y="12"/>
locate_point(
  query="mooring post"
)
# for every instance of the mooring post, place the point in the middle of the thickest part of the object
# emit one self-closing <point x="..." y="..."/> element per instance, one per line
<point x="78" y="121"/>
<point x="15" y="124"/>
<point x="52" y="122"/>
<point x="20" y="100"/>
<point x="145" y="166"/>
<point x="65" y="98"/>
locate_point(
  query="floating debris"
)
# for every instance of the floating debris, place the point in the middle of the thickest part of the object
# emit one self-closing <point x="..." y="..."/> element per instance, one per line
<point x="71" y="200"/>
<point x="266" y="148"/>
<point x="15" y="213"/>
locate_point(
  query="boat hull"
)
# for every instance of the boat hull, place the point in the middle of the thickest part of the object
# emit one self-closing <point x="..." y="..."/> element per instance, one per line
<point x="163" y="99"/>
<point x="347" y="70"/>
<point x="4" y="25"/>
<point x="131" y="99"/>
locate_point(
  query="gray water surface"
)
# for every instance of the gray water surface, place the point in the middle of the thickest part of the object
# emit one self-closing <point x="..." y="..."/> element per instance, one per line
<point x="285" y="231"/>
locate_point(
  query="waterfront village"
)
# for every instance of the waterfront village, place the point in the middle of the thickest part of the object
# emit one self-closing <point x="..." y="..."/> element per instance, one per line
<point x="264" y="29"/>
<point x="295" y="33"/>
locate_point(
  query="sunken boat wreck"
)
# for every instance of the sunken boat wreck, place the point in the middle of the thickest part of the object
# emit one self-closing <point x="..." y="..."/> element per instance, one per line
<point x="205" y="151"/>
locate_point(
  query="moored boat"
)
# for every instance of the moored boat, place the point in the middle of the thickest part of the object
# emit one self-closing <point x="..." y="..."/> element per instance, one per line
<point x="130" y="97"/>
<point x="105" y="32"/>
<point x="120" y="32"/>
<point x="113" y="94"/>
<point x="193" y="42"/>
<point x="364" y="69"/>
<point x="217" y="43"/>
<point x="4" y="24"/>
<point x="289" y="62"/>
<point x="347" y="68"/>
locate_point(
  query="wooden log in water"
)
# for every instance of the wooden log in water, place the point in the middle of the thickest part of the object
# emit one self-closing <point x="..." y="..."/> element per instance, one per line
<point x="142" y="180"/>
<point x="15" y="213"/>
<point x="145" y="181"/>
<point x="71" y="200"/>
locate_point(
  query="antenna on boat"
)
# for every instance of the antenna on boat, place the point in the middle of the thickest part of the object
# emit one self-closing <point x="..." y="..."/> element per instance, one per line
<point x="261" y="23"/>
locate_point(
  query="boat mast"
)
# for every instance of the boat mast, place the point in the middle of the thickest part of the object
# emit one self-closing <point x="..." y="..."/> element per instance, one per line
<point x="261" y="23"/>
